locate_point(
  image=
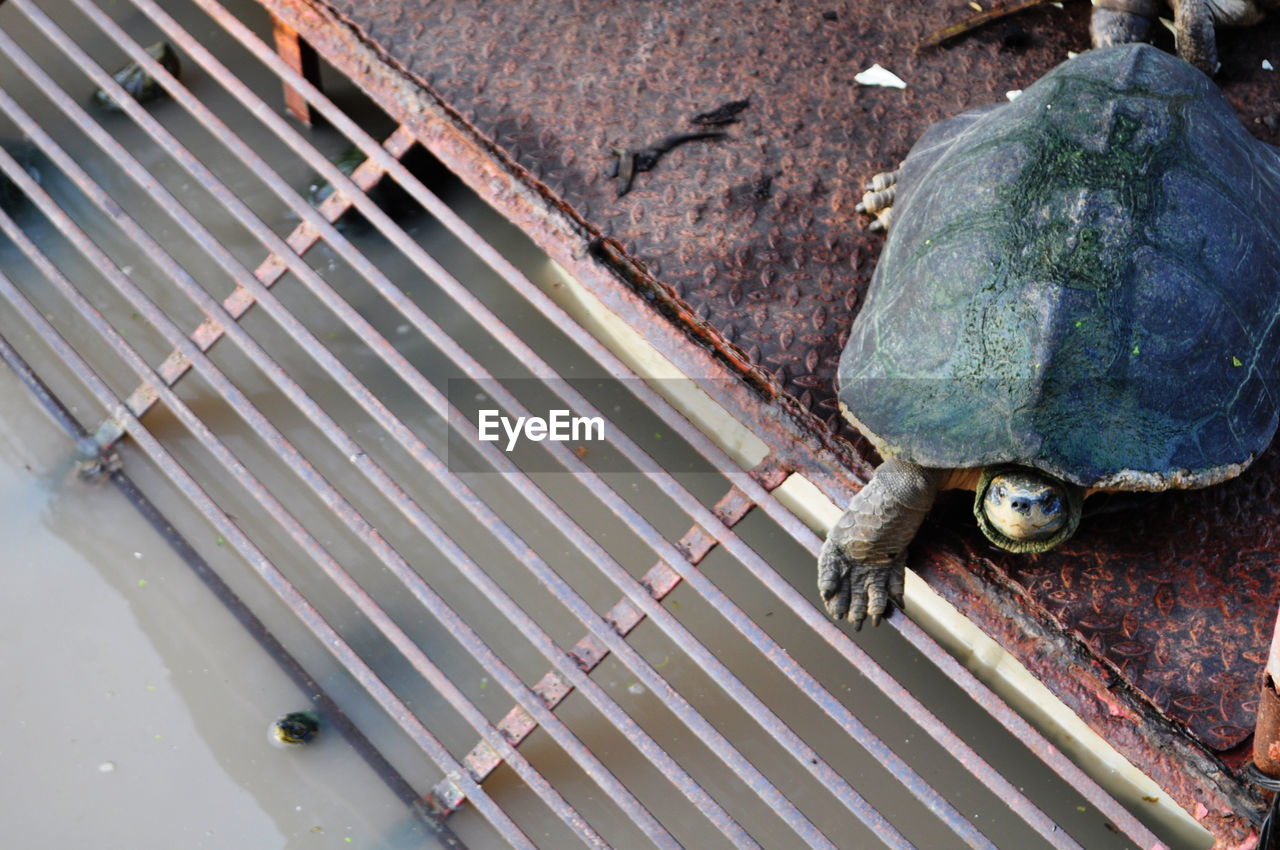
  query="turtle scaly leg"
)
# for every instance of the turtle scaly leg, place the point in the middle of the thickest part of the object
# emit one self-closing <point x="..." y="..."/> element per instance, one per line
<point x="1122" y="21"/>
<point x="863" y="563"/>
<point x="1193" y="36"/>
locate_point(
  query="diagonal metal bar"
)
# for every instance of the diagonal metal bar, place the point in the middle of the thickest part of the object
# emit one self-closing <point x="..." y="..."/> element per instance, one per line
<point x="308" y="685"/>
<point x="651" y="750"/>
<point x="660" y="580"/>
<point x="361" y="460"/>
<point x="270" y="270"/>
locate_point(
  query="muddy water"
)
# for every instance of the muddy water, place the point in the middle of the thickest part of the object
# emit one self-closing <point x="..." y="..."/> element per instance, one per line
<point x="135" y="707"/>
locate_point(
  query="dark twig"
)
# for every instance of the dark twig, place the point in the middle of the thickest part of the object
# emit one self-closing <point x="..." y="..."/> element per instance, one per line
<point x="972" y="22"/>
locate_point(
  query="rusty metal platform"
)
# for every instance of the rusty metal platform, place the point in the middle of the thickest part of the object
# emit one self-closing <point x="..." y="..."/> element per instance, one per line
<point x="1153" y="623"/>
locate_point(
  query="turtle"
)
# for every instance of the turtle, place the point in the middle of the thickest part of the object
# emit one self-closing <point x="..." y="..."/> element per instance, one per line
<point x="294" y="729"/>
<point x="1077" y="293"/>
<point x="1122" y="21"/>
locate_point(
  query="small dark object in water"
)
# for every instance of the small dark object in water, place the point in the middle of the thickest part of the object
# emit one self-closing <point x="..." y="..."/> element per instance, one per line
<point x="295" y="728"/>
<point x="632" y="162"/>
<point x="134" y="79"/>
<point x="347" y="162"/>
<point x="389" y="196"/>
<point x="725" y="113"/>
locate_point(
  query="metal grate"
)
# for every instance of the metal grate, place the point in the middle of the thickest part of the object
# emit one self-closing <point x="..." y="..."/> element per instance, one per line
<point x="638" y="698"/>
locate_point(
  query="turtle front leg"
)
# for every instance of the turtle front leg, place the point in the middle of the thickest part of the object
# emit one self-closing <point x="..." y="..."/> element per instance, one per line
<point x="879" y="197"/>
<point x="862" y="567"/>
<point x="1193" y="35"/>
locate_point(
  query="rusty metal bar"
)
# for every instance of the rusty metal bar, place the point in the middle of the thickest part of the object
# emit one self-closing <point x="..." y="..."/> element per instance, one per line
<point x="270" y="270"/>
<point x="978" y="762"/>
<point x="687" y="714"/>
<point x="301" y="58"/>
<point x="1266" y="737"/>
<point x="555" y="227"/>
<point x="660" y="580"/>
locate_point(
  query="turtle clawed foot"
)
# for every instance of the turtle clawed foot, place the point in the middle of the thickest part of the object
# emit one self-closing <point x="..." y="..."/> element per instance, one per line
<point x="857" y="591"/>
<point x="878" y="199"/>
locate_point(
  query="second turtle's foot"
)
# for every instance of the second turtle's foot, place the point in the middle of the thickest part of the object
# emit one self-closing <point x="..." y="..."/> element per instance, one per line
<point x="879" y="197"/>
<point x="1110" y="26"/>
<point x="854" y="590"/>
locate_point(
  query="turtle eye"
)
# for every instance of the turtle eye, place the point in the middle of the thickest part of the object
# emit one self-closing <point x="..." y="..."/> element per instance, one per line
<point x="1052" y="505"/>
<point x="1001" y="492"/>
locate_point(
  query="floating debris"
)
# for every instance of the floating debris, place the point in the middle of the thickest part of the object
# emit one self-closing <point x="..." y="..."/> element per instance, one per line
<point x="295" y="729"/>
<point x="1267" y="66"/>
<point x="877" y="76"/>
<point x="140" y="85"/>
<point x="1012" y="95"/>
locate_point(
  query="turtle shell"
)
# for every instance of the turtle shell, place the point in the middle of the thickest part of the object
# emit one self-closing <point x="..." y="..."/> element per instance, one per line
<point x="1083" y="280"/>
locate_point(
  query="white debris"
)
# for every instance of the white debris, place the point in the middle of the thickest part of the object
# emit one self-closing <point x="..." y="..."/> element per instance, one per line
<point x="1267" y="66"/>
<point x="1013" y="95"/>
<point x="1071" y="54"/>
<point x="877" y="76"/>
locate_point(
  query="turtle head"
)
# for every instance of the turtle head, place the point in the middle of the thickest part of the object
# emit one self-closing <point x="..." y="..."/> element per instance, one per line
<point x="1025" y="510"/>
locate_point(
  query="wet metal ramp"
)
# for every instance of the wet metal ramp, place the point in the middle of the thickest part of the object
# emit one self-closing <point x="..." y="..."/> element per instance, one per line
<point x="606" y="641"/>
